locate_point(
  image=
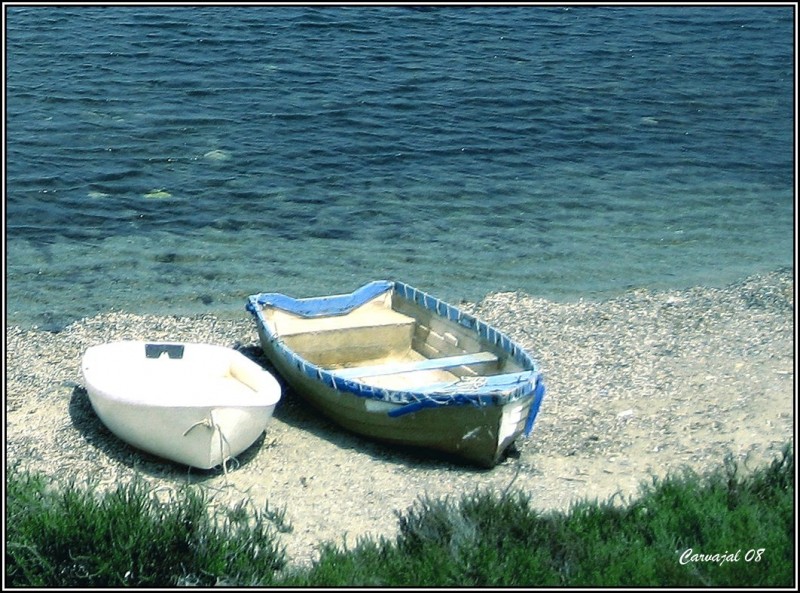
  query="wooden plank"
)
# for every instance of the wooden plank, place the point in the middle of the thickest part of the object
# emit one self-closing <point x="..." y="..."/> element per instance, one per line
<point x="417" y="365"/>
<point x="354" y="345"/>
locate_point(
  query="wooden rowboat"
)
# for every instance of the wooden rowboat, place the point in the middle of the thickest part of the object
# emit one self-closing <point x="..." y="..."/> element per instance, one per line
<point x="393" y="363"/>
<point x="197" y="404"/>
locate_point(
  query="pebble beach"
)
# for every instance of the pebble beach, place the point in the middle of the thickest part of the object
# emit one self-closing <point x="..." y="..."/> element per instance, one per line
<point x="638" y="386"/>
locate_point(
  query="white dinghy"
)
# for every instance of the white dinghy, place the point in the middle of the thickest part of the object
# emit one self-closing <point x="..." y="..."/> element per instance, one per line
<point x="197" y="404"/>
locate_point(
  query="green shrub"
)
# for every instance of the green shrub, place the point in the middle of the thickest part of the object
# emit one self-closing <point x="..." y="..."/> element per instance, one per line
<point x="74" y="537"/>
<point x="485" y="539"/>
<point x="723" y="530"/>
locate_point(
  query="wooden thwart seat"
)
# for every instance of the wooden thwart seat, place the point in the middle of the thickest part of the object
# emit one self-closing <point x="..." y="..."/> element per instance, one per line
<point x="371" y="332"/>
<point x="417" y="365"/>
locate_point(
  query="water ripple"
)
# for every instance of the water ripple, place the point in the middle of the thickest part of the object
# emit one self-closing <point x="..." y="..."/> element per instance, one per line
<point x="473" y="148"/>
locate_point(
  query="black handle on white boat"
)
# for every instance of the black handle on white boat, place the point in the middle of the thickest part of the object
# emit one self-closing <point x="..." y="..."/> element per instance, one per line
<point x="157" y="350"/>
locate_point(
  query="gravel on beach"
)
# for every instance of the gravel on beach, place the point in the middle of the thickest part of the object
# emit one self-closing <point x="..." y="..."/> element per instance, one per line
<point x="638" y="386"/>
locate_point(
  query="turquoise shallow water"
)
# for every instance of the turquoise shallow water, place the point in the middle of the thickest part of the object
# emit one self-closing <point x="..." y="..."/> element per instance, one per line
<point x="174" y="160"/>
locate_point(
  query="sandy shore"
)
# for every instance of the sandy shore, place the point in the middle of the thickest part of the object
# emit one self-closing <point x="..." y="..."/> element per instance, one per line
<point x="638" y="386"/>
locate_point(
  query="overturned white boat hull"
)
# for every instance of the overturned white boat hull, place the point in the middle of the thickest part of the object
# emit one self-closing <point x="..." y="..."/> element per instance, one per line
<point x="196" y="404"/>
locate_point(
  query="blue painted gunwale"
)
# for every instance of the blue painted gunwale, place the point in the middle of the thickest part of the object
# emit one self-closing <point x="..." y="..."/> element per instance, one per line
<point x="408" y="401"/>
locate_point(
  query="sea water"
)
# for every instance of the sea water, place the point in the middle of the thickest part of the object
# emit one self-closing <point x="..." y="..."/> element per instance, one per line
<point x="175" y="159"/>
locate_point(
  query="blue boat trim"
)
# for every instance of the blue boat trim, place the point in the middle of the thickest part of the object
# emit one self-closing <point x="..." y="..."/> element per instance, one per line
<point x="323" y="306"/>
<point x="485" y="383"/>
<point x="538" y="396"/>
<point x="408" y="401"/>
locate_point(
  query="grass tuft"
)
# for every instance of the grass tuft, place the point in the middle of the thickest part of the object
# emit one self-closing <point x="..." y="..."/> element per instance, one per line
<point x="485" y="539"/>
<point x="727" y="529"/>
<point x="74" y="537"/>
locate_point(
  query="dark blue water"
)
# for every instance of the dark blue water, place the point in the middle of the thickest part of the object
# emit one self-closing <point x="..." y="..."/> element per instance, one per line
<point x="176" y="159"/>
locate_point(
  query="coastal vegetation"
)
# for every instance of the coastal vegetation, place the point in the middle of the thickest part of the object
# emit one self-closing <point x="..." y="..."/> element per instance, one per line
<point x="729" y="528"/>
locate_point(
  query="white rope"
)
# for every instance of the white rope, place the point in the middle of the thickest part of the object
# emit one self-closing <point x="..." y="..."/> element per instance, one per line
<point x="223" y="440"/>
<point x="204" y="422"/>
